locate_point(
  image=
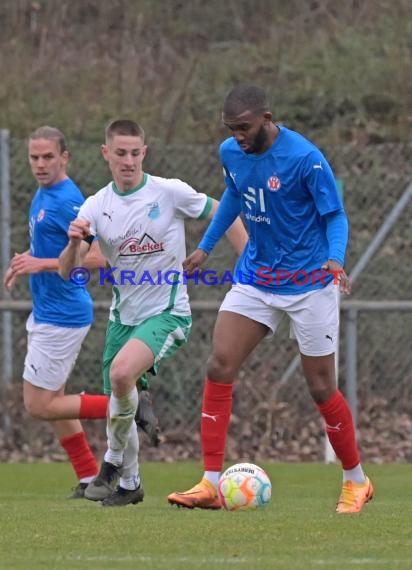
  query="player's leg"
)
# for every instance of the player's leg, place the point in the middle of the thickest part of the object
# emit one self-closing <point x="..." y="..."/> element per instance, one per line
<point x="51" y="405"/>
<point x="315" y="322"/>
<point x="156" y="338"/>
<point x="93" y="407"/>
<point x="234" y="338"/>
<point x="320" y="376"/>
<point x="130" y="488"/>
<point x="51" y="355"/>
<point x="123" y="362"/>
<point x="73" y="440"/>
<point x="235" y="335"/>
<point x="62" y="345"/>
<point x="164" y="334"/>
<point x="128" y="364"/>
<point x="70" y="434"/>
<point x="145" y="417"/>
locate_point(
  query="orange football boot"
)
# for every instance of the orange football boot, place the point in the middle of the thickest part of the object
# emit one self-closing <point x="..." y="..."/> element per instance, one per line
<point x="354" y="496"/>
<point x="201" y="496"/>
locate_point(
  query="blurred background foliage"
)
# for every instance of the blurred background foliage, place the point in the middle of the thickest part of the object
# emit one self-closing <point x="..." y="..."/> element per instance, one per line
<point x="338" y="71"/>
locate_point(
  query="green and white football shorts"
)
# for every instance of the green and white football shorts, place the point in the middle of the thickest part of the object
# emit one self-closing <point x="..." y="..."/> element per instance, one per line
<point x="164" y="334"/>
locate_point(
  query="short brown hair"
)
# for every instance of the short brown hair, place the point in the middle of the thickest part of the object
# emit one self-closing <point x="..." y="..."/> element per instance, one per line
<point x="50" y="133"/>
<point x="124" y="127"/>
<point x="243" y="98"/>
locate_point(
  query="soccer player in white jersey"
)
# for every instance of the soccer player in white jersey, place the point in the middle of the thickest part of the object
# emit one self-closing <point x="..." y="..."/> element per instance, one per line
<point x="298" y="234"/>
<point x="139" y="219"/>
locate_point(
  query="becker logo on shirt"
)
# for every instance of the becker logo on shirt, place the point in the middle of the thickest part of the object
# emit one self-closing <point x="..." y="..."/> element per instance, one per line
<point x="145" y="245"/>
<point x="40" y="215"/>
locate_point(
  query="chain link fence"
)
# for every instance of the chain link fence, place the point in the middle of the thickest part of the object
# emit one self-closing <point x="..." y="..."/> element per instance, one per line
<point x="271" y="419"/>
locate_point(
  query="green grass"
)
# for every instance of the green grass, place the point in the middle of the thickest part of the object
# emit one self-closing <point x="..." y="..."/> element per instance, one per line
<point x="298" y="530"/>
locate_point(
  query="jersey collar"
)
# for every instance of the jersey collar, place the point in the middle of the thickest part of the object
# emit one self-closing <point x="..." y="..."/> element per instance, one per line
<point x="132" y="190"/>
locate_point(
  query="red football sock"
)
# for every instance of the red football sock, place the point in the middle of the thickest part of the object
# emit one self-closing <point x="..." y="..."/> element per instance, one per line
<point x="216" y="409"/>
<point x="80" y="455"/>
<point x="93" y="407"/>
<point x="340" y="429"/>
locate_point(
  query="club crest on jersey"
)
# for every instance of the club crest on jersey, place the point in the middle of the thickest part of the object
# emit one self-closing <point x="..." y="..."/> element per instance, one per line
<point x="274" y="183"/>
<point x="154" y="210"/>
<point x="40" y="215"/>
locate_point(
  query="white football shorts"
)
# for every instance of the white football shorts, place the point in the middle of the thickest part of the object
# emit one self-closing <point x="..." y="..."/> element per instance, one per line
<point x="314" y="316"/>
<point x="51" y="353"/>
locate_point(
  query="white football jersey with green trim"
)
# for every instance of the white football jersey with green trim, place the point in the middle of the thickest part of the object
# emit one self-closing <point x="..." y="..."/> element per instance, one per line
<point x="142" y="235"/>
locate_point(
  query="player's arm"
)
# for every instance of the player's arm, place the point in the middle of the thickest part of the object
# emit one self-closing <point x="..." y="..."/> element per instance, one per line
<point x="223" y="221"/>
<point x="76" y="250"/>
<point x="94" y="258"/>
<point x="236" y="233"/>
<point x="337" y="231"/>
<point x="10" y="276"/>
<point x="321" y="183"/>
<point x="9" y="279"/>
<point x="26" y="264"/>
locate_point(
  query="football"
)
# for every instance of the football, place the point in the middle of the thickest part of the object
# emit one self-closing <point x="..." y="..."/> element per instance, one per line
<point x="244" y="486"/>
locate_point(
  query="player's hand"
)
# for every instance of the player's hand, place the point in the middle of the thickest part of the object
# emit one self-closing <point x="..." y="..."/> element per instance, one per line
<point x="9" y="279"/>
<point x="339" y="275"/>
<point x="78" y="230"/>
<point x="194" y="261"/>
<point x="25" y="264"/>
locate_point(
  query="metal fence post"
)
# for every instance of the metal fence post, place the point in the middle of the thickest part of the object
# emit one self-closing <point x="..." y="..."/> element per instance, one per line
<point x="7" y="325"/>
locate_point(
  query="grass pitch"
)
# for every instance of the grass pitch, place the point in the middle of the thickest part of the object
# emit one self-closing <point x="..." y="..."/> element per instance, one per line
<point x="297" y="530"/>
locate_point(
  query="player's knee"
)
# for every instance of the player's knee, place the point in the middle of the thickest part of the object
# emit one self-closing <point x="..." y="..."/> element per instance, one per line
<point x="121" y="379"/>
<point x="220" y="368"/>
<point x="321" y="389"/>
<point x="36" y="409"/>
<point x="320" y="377"/>
<point x="321" y="395"/>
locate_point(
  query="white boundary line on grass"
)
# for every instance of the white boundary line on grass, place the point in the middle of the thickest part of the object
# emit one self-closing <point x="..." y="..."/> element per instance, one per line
<point x="234" y="560"/>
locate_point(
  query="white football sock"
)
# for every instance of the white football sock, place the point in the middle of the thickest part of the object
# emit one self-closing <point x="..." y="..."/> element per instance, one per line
<point x="129" y="483"/>
<point x="121" y="417"/>
<point x="87" y="479"/>
<point x="212" y="476"/>
<point x="356" y="475"/>
<point x="130" y="469"/>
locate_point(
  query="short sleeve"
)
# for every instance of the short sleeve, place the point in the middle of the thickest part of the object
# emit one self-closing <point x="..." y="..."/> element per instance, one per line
<point x="88" y="212"/>
<point x="188" y="202"/>
<point x="69" y="210"/>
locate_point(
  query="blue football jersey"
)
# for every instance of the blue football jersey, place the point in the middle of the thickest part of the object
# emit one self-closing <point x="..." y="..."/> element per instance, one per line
<point x="56" y="301"/>
<point x="284" y="193"/>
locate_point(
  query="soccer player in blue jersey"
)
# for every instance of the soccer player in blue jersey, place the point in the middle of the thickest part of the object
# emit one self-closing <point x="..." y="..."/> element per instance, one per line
<point x="62" y="312"/>
<point x="293" y="262"/>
